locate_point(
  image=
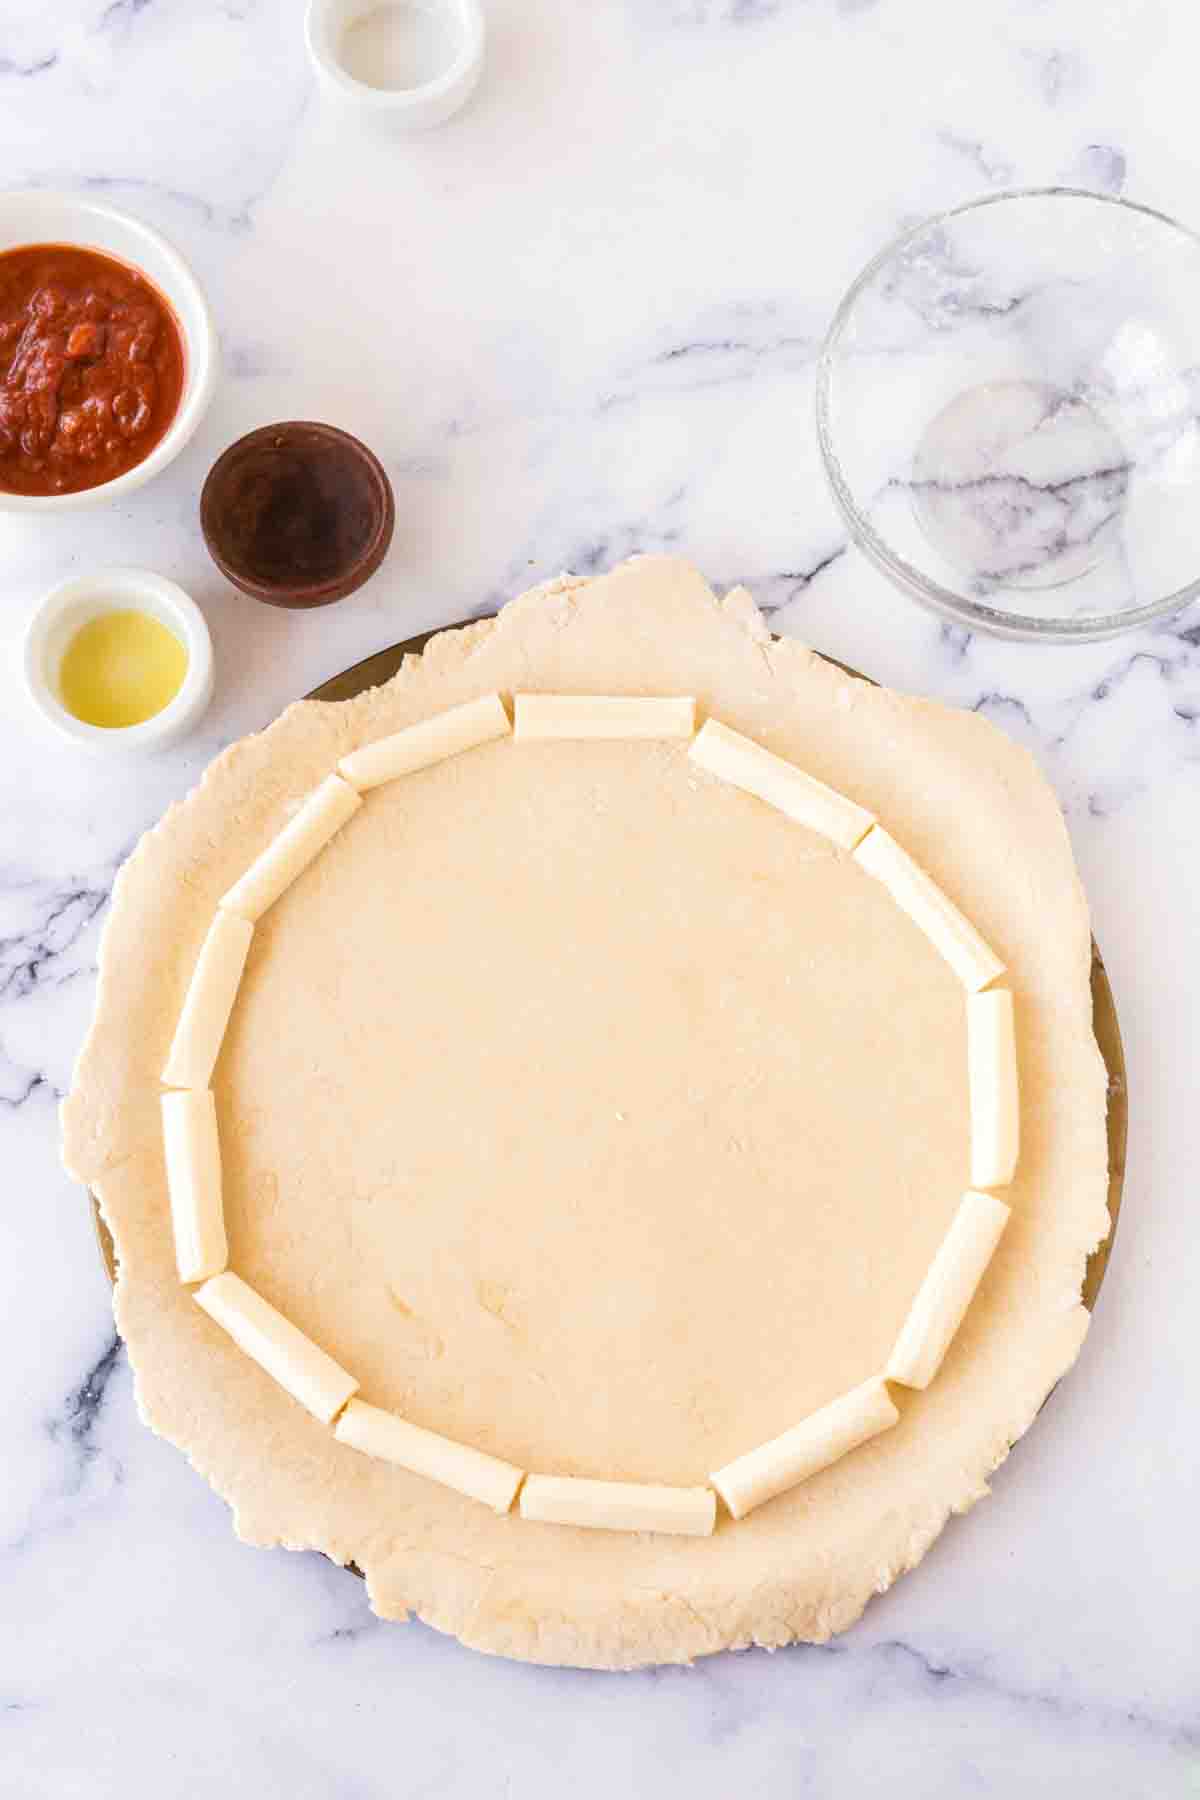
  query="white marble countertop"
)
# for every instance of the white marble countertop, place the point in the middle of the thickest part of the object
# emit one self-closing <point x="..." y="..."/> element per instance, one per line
<point x="581" y="320"/>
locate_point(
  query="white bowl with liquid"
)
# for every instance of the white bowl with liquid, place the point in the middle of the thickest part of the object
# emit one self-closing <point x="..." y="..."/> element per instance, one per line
<point x="403" y="65"/>
<point x="66" y="609"/>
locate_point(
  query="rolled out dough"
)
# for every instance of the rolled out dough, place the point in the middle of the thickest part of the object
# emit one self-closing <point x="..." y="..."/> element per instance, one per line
<point x="596" y="1115"/>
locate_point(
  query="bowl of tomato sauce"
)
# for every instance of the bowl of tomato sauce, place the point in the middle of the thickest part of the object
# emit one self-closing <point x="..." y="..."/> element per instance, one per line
<point x="108" y="353"/>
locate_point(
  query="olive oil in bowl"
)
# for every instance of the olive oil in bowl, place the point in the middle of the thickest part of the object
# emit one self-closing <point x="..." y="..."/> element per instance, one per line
<point x="120" y="669"/>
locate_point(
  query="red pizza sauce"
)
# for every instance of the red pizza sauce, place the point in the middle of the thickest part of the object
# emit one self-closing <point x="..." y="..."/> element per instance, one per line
<point x="91" y="369"/>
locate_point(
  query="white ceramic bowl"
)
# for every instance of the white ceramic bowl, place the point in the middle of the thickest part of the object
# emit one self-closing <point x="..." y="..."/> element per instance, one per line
<point x="31" y="217"/>
<point x="68" y="607"/>
<point x="460" y="24"/>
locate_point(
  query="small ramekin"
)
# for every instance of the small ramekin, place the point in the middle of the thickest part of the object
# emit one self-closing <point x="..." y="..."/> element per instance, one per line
<point x="395" y="109"/>
<point x="71" y="605"/>
<point x="256" y="473"/>
<point x="29" y="216"/>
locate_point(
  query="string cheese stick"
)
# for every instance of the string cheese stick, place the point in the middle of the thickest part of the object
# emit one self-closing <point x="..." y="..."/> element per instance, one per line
<point x="746" y="765"/>
<point x="602" y="716"/>
<point x="209" y="1002"/>
<point x="947" y="1290"/>
<point x="394" y="1440"/>
<point x="278" y="1346"/>
<point x="923" y="900"/>
<point x="324" y="812"/>
<point x="819" y="1440"/>
<point x="193" y="1155"/>
<point x="618" y="1505"/>
<point x="432" y="741"/>
<point x="994" y="1088"/>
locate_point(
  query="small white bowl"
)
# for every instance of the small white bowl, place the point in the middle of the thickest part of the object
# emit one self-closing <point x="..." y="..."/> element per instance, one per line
<point x="71" y="605"/>
<point x="31" y="217"/>
<point x="399" y="109"/>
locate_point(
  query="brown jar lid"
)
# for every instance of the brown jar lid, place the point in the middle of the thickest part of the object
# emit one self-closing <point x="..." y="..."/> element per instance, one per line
<point x="297" y="514"/>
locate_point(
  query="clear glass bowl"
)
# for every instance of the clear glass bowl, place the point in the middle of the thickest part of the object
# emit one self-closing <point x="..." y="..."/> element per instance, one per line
<point x="1008" y="405"/>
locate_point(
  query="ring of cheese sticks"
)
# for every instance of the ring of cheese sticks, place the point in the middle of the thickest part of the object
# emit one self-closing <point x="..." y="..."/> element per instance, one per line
<point x="316" y="1381"/>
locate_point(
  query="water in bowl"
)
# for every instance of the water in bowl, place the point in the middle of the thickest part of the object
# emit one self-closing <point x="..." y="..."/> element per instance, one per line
<point x="403" y="45"/>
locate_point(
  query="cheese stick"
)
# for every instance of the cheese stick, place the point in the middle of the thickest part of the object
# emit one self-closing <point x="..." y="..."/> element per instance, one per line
<point x="193" y="1155"/>
<point x="394" y="1440"/>
<point x="994" y="1088"/>
<point x="947" y="1290"/>
<point x="915" y="893"/>
<point x="324" y="812"/>
<point x="746" y="765"/>
<point x="817" y="1441"/>
<point x="602" y="716"/>
<point x="618" y="1505"/>
<point x="278" y="1346"/>
<point x="432" y="741"/>
<point x="209" y="1002"/>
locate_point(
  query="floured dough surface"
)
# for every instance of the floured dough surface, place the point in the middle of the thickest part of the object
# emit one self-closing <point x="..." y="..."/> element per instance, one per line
<point x="590" y="1112"/>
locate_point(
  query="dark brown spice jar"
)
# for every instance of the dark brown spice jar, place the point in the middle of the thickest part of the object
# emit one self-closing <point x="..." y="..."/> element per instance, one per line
<point x="297" y="514"/>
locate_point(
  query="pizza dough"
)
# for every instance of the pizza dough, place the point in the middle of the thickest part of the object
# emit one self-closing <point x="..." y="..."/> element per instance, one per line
<point x="598" y="1117"/>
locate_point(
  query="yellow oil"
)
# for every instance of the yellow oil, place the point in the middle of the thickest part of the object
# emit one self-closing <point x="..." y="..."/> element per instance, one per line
<point x="121" y="668"/>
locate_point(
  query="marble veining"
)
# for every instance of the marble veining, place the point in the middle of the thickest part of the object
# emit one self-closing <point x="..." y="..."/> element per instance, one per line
<point x="76" y="1424"/>
<point x="581" y="321"/>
